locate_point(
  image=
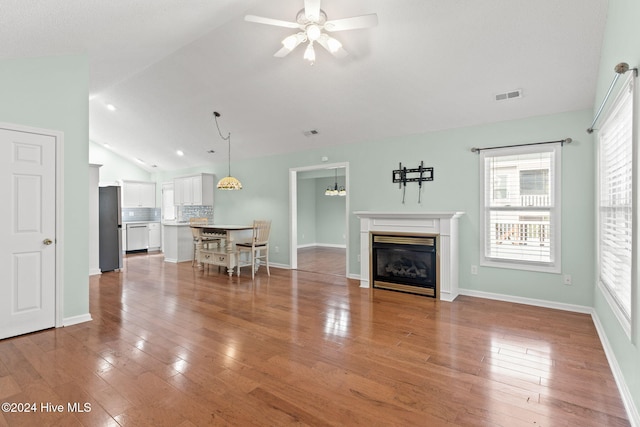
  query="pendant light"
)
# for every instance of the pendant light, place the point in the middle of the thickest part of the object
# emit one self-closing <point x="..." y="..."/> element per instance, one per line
<point x="228" y="182"/>
<point x="335" y="191"/>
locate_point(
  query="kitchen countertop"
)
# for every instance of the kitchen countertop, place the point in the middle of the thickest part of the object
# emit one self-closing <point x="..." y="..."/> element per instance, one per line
<point x="139" y="222"/>
<point x="175" y="223"/>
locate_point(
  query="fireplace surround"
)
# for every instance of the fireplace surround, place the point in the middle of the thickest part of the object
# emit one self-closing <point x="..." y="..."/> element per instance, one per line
<point x="442" y="227"/>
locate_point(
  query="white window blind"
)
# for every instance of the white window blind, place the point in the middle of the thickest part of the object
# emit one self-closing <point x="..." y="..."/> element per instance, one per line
<point x="615" y="140"/>
<point x="521" y="207"/>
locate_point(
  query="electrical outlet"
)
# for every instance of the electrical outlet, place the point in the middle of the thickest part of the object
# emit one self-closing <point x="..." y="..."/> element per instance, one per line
<point x="566" y="279"/>
<point x="131" y="213"/>
<point x="358" y="257"/>
<point x="277" y="249"/>
<point x="474" y="269"/>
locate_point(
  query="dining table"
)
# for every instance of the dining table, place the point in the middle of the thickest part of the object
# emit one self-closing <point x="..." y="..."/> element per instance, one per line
<point x="224" y="255"/>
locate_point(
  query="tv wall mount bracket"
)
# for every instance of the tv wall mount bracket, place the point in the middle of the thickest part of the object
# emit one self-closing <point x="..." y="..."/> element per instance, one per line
<point x="402" y="175"/>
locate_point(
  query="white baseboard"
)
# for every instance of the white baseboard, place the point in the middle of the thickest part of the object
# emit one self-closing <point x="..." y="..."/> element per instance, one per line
<point x="278" y="265"/>
<point x="95" y="272"/>
<point x="528" y="301"/>
<point x="627" y="398"/>
<point x="68" y="321"/>
<point x="175" y="260"/>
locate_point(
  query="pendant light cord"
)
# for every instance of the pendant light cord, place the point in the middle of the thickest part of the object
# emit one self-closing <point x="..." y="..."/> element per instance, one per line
<point x="228" y="138"/>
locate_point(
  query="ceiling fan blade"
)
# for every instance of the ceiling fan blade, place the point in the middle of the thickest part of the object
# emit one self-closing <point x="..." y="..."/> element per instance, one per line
<point x="284" y="51"/>
<point x="312" y="10"/>
<point x="269" y="21"/>
<point x="333" y="46"/>
<point x="357" y="22"/>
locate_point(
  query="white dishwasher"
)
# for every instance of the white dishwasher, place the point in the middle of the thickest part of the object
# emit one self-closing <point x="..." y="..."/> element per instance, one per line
<point x="137" y="237"/>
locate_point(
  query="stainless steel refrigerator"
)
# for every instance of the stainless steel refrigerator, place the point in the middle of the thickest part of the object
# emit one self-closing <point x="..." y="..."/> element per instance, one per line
<point x="110" y="229"/>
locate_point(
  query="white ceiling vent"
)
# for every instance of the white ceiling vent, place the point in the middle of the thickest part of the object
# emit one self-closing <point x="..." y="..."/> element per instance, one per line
<point x="513" y="94"/>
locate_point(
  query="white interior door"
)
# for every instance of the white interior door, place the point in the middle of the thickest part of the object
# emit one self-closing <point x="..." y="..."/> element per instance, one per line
<point x="27" y="232"/>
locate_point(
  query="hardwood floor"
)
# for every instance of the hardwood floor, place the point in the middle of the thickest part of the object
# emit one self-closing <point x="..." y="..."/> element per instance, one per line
<point x="173" y="346"/>
<point x="322" y="259"/>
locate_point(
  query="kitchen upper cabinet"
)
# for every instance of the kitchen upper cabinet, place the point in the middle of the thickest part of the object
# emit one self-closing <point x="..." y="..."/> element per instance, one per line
<point x="138" y="194"/>
<point x="194" y="190"/>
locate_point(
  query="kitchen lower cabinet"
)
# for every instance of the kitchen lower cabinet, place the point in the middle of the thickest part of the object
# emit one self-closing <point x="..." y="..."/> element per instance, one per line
<point x="155" y="237"/>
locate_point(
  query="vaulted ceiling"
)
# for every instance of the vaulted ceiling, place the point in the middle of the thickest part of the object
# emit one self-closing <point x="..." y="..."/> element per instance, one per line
<point x="429" y="65"/>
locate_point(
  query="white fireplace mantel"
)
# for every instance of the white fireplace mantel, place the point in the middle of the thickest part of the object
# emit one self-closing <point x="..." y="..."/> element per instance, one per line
<point x="444" y="224"/>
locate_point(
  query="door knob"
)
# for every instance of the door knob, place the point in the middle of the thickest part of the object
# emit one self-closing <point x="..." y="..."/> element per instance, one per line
<point x="47" y="241"/>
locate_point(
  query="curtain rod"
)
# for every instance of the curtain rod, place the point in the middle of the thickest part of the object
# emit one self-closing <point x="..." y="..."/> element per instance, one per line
<point x="621" y="68"/>
<point x="560" y="141"/>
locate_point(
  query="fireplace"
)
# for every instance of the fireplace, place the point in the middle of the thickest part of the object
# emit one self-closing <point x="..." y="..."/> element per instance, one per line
<point x="405" y="263"/>
<point x="441" y="226"/>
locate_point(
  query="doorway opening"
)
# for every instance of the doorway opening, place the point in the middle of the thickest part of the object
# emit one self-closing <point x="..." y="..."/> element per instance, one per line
<point x="319" y="225"/>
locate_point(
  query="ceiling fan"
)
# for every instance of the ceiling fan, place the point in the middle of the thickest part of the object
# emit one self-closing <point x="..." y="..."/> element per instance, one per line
<point x="312" y="23"/>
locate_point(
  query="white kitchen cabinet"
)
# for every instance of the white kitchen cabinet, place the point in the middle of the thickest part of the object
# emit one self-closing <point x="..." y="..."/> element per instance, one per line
<point x="178" y="242"/>
<point x="194" y="190"/>
<point x="155" y="238"/>
<point x="138" y="194"/>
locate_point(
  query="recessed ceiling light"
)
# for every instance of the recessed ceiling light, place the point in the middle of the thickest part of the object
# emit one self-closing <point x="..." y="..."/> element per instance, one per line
<point x="180" y="153"/>
<point x="111" y="107"/>
<point x="139" y="161"/>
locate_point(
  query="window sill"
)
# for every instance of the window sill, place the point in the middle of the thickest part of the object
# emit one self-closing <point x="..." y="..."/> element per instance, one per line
<point x="554" y="268"/>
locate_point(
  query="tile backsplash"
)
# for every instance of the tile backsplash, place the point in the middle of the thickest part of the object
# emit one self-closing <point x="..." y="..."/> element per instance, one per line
<point x="184" y="213"/>
<point x="140" y="214"/>
<point x="187" y="212"/>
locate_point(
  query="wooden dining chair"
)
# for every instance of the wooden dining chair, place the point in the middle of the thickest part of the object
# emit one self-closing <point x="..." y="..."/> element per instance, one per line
<point x="257" y="249"/>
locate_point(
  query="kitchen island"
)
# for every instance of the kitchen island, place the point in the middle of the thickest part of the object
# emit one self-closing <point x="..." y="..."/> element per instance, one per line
<point x="178" y="241"/>
<point x="224" y="256"/>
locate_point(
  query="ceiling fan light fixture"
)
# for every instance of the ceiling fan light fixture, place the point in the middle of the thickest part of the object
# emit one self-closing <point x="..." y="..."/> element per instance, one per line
<point x="312" y="23"/>
<point x="310" y="53"/>
<point x="313" y="32"/>
<point x="291" y="42"/>
<point x="334" y="45"/>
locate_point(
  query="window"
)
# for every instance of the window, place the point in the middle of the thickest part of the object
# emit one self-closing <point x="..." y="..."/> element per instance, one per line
<point x="521" y="207"/>
<point x="615" y="196"/>
<point x="534" y="182"/>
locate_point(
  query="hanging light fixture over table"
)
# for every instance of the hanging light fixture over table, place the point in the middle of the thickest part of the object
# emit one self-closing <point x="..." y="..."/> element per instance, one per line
<point x="228" y="182"/>
<point x="335" y="190"/>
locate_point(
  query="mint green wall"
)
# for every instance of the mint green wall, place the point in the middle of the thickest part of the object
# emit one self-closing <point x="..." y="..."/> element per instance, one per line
<point x="307" y="189"/>
<point x="455" y="188"/>
<point x="621" y="44"/>
<point x="53" y="93"/>
<point x="330" y="223"/>
<point x="115" y="167"/>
